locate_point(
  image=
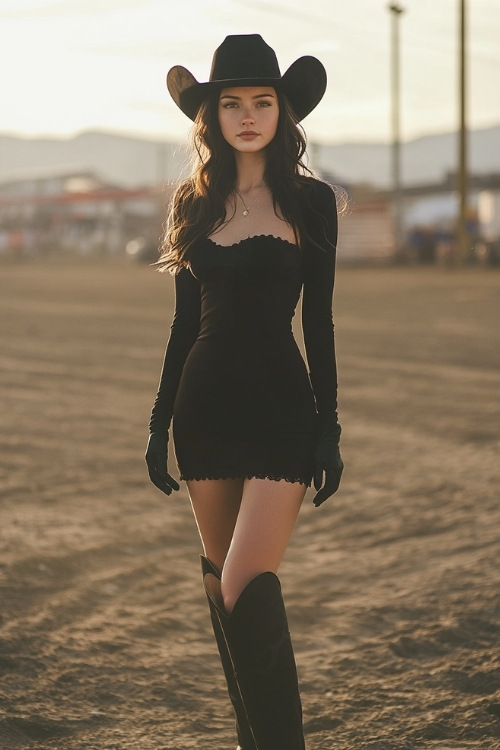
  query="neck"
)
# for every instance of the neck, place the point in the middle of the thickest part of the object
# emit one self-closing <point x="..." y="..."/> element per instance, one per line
<point x="250" y="170"/>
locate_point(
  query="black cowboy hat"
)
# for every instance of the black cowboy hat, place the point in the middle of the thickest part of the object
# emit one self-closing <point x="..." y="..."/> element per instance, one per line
<point x="246" y="60"/>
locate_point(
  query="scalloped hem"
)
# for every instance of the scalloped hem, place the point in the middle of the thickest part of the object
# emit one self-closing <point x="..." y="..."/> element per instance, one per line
<point x="249" y="475"/>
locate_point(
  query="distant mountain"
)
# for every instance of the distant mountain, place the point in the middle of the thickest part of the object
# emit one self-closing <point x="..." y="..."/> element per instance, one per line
<point x="130" y="161"/>
<point x="424" y="160"/>
<point x="118" y="159"/>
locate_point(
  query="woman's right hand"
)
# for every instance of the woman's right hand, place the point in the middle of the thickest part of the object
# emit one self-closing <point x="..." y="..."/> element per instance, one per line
<point x="156" y="460"/>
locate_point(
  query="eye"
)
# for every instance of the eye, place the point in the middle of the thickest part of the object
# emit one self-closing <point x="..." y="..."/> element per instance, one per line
<point x="264" y="104"/>
<point x="229" y="105"/>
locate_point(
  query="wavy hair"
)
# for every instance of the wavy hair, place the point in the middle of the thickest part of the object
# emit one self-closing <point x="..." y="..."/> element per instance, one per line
<point x="198" y="206"/>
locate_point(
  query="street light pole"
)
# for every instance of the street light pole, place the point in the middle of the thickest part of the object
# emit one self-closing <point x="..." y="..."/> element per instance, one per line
<point x="463" y="180"/>
<point x="396" y="11"/>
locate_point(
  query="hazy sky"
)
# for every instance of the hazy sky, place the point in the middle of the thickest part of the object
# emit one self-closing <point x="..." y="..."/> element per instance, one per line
<point x="73" y="65"/>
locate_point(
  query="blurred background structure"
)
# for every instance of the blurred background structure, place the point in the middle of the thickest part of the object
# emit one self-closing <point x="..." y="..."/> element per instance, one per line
<point x="397" y="218"/>
<point x="91" y="145"/>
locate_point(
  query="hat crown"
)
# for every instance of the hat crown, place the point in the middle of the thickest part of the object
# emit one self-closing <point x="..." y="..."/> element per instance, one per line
<point x="244" y="56"/>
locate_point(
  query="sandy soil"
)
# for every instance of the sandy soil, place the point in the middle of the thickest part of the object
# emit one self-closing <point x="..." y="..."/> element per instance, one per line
<point x="392" y="587"/>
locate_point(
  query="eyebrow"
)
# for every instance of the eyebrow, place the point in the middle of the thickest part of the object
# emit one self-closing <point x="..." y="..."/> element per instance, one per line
<point x="256" y="96"/>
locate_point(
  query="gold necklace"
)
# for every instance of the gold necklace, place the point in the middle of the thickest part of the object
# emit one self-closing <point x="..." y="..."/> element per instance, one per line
<point x="246" y="210"/>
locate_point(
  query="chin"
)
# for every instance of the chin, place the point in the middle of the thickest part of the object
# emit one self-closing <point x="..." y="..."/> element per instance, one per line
<point x="249" y="148"/>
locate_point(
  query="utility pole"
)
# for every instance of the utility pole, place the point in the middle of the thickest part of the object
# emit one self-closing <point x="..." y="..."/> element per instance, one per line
<point x="396" y="11"/>
<point x="463" y="178"/>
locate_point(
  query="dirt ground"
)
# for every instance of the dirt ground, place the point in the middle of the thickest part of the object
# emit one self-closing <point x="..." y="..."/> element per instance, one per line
<point x="392" y="586"/>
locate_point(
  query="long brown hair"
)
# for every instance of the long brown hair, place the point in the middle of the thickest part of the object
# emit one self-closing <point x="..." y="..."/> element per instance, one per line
<point x="198" y="206"/>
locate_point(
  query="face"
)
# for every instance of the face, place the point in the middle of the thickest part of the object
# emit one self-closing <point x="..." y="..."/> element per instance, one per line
<point x="248" y="117"/>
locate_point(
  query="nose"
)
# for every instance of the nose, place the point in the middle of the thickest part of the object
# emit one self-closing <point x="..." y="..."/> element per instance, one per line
<point x="247" y="117"/>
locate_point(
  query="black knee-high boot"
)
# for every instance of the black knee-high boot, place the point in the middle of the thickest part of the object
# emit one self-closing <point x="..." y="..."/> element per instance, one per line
<point x="258" y="640"/>
<point x="245" y="736"/>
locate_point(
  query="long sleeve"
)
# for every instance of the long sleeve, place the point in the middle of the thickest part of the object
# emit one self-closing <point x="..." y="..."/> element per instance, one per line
<point x="317" y="317"/>
<point x="183" y="332"/>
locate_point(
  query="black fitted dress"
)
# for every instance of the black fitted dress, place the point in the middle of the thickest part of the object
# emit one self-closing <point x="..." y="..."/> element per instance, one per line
<point x="242" y="400"/>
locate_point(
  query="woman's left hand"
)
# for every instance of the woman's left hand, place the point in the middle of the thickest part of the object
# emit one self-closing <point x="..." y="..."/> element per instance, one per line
<point x="156" y="460"/>
<point x="328" y="469"/>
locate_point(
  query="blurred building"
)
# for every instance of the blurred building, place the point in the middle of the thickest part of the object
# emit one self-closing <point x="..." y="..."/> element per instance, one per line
<point x="75" y="212"/>
<point x="365" y="229"/>
<point x="429" y="219"/>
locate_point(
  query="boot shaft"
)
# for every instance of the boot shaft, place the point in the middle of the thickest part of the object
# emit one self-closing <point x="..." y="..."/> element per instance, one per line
<point x="258" y="641"/>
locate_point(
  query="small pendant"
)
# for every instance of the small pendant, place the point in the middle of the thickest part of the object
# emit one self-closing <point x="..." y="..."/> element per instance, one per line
<point x="245" y="212"/>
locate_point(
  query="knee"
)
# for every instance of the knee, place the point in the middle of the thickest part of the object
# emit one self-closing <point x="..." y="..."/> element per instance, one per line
<point x="233" y="584"/>
<point x="229" y="598"/>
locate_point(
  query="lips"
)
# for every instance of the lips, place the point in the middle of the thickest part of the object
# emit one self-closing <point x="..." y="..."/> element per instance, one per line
<point x="248" y="135"/>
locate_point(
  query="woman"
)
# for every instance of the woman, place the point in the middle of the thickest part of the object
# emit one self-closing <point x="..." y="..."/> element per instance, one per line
<point x="247" y="232"/>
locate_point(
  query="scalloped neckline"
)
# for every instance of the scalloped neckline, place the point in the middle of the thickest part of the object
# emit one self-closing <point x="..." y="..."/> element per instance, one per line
<point x="253" y="237"/>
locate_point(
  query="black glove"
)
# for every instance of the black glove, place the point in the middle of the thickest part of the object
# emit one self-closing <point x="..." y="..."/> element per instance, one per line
<point x="156" y="459"/>
<point x="328" y="463"/>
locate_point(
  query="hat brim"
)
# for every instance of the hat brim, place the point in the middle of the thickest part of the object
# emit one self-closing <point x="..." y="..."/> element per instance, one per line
<point x="304" y="84"/>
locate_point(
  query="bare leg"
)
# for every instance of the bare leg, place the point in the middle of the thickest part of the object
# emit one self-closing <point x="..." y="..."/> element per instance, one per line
<point x="216" y="503"/>
<point x="245" y="527"/>
<point x="263" y="528"/>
